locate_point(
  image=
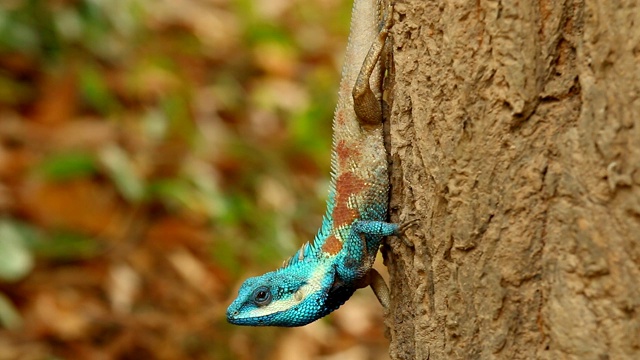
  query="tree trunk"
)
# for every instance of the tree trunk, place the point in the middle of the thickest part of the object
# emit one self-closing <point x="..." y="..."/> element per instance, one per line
<point x="515" y="140"/>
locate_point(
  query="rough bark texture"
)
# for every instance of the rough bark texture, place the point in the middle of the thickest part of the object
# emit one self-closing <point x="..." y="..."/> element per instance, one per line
<point x="515" y="140"/>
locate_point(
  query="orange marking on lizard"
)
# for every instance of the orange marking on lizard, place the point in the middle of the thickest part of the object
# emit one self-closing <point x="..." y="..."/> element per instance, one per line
<point x="332" y="245"/>
<point x="347" y="184"/>
<point x="345" y="153"/>
<point x="340" y="117"/>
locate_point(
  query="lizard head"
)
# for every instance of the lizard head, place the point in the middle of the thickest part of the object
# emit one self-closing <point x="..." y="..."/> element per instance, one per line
<point x="292" y="296"/>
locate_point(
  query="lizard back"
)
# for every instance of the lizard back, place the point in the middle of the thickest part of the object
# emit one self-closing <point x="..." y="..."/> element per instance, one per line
<point x="359" y="175"/>
<point x="324" y="273"/>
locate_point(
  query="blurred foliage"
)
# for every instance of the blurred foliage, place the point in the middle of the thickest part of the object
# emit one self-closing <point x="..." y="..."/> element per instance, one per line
<point x="154" y="153"/>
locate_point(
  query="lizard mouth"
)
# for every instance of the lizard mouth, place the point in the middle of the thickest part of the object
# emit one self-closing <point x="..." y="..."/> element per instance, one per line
<point x="232" y="318"/>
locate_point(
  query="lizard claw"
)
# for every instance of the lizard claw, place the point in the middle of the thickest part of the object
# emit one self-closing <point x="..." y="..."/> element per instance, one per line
<point x="402" y="228"/>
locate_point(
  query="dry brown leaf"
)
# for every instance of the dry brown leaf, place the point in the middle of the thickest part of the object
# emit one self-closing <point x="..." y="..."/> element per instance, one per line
<point x="123" y="287"/>
<point x="58" y="98"/>
<point x="60" y="313"/>
<point x="193" y="271"/>
<point x="80" y="204"/>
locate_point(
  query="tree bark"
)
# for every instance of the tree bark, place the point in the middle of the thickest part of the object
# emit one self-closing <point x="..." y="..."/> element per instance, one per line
<point x="515" y="140"/>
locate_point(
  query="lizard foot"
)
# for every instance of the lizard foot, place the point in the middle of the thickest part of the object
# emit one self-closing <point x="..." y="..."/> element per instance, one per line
<point x="402" y="228"/>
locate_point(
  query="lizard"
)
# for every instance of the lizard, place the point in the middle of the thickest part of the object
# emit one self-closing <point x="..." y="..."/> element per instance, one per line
<point x="323" y="274"/>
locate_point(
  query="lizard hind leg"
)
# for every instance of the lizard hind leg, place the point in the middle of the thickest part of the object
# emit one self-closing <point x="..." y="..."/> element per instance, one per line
<point x="367" y="107"/>
<point x="379" y="287"/>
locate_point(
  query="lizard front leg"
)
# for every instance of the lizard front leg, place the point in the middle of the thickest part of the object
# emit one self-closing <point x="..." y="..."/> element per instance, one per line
<point x="373" y="277"/>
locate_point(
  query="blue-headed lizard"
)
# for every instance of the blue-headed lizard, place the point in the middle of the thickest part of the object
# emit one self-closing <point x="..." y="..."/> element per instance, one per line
<point x="324" y="274"/>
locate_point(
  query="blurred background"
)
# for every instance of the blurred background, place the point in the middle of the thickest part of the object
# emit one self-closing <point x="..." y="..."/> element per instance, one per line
<point x="153" y="154"/>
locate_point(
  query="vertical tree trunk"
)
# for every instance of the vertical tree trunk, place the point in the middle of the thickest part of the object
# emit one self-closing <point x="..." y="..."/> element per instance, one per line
<point x="515" y="139"/>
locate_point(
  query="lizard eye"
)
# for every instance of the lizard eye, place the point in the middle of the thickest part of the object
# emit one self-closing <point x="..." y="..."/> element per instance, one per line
<point x="262" y="296"/>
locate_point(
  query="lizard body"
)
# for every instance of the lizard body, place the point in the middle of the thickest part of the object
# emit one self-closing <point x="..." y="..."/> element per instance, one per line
<point x="324" y="273"/>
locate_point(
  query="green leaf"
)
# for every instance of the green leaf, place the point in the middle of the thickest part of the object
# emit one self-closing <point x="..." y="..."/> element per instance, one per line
<point x="9" y="316"/>
<point x="95" y="91"/>
<point x="65" y="245"/>
<point x="123" y="173"/>
<point x="16" y="261"/>
<point x="172" y="192"/>
<point x="67" y="166"/>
